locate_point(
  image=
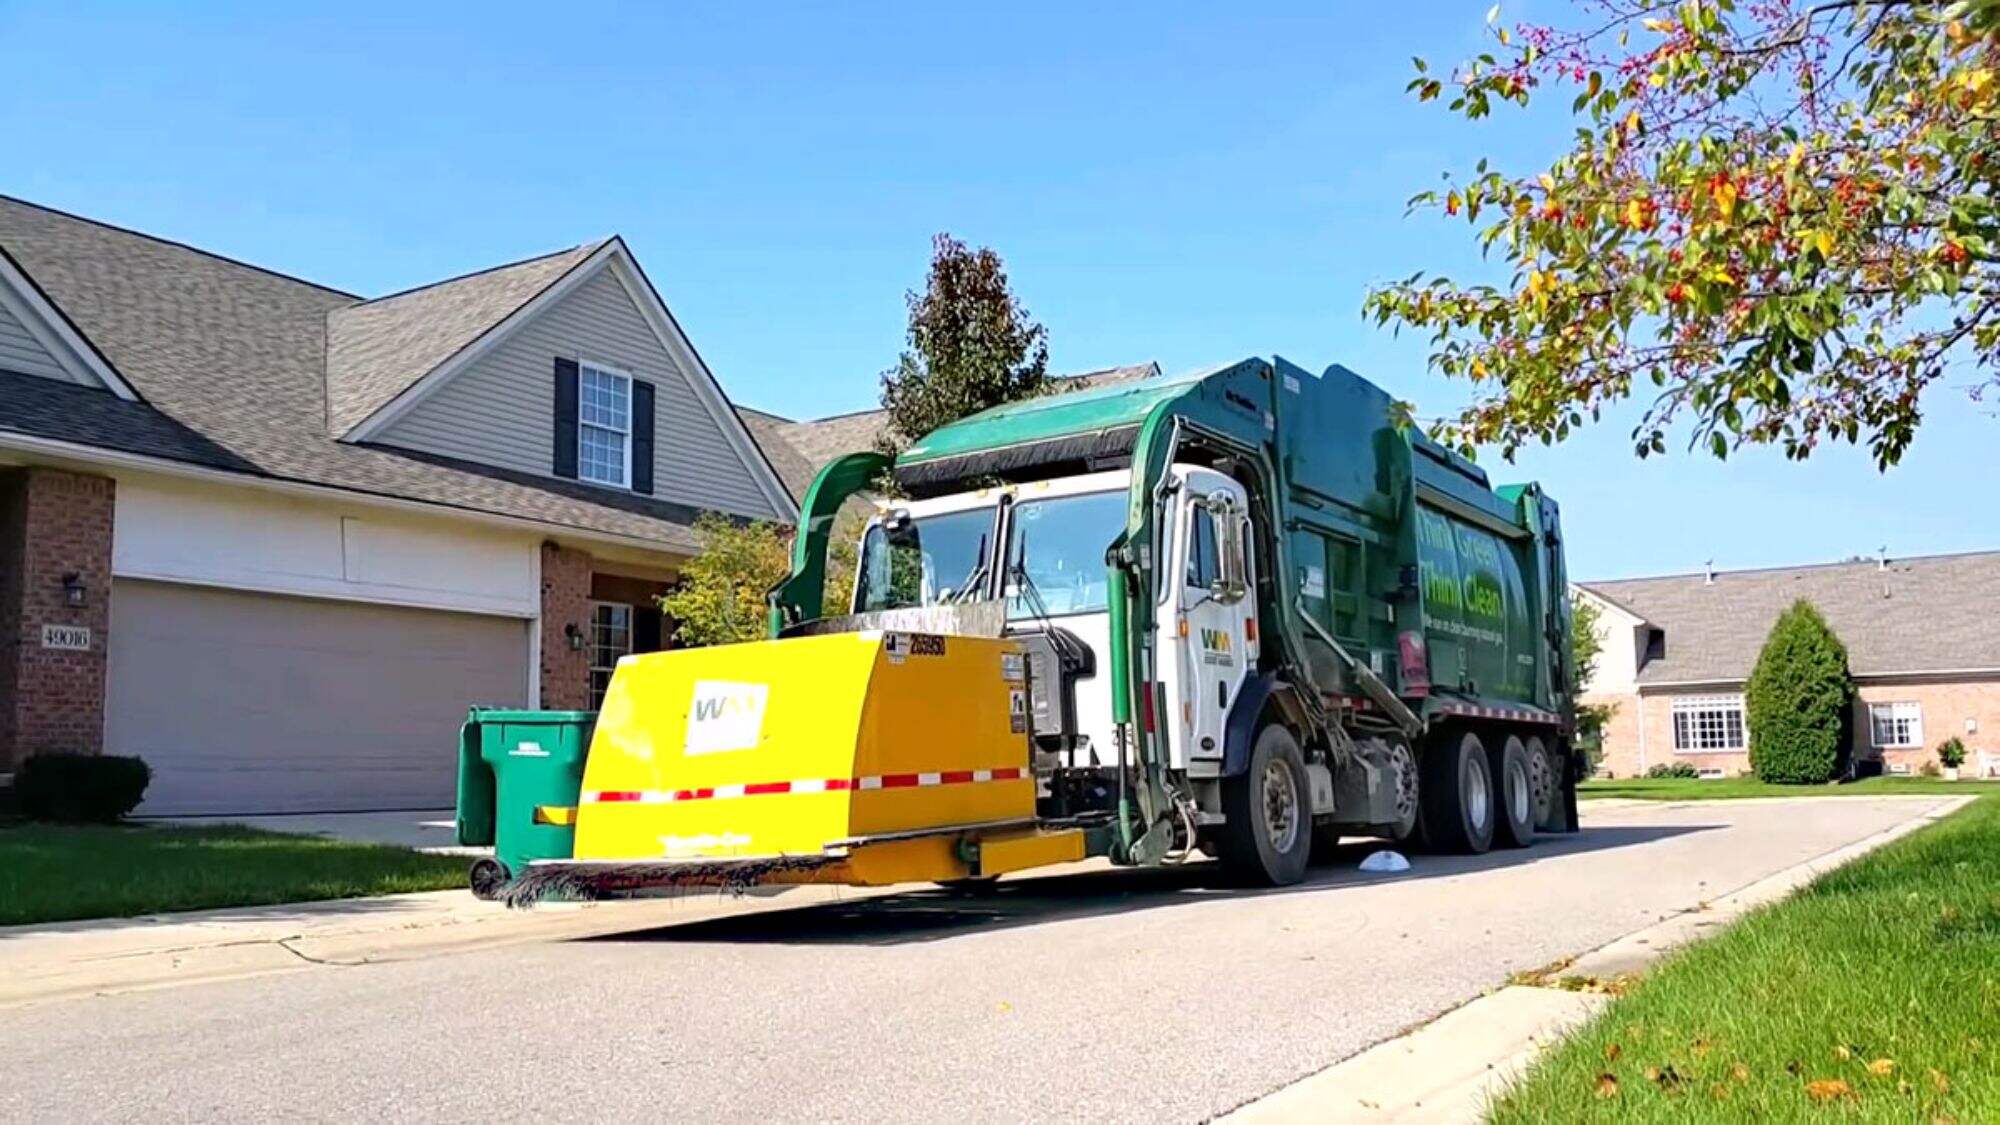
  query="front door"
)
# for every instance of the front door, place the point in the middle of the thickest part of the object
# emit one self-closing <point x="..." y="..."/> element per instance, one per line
<point x="1211" y="624"/>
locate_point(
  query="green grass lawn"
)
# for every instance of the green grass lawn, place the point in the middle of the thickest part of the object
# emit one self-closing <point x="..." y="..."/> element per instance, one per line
<point x="1873" y="994"/>
<point x="54" y="873"/>
<point x="1691" y="789"/>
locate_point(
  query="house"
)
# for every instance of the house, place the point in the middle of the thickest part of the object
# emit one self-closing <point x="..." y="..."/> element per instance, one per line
<point x="1920" y="641"/>
<point x="274" y="538"/>
<point x="800" y="449"/>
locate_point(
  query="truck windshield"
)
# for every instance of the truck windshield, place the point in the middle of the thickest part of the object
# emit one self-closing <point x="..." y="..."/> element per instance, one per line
<point x="1059" y="545"/>
<point x="944" y="555"/>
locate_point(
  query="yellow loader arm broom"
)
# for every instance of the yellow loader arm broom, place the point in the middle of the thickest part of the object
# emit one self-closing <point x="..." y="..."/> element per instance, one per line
<point x="864" y="758"/>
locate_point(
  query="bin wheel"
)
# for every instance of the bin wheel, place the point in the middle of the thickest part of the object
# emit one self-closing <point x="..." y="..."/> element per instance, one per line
<point x="488" y="878"/>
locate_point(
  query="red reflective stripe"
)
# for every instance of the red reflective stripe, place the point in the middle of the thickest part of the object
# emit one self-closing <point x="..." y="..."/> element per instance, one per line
<point x="899" y="780"/>
<point x="839" y="783"/>
<point x="1012" y="773"/>
<point x="619" y="796"/>
<point x="762" y="787"/>
<point x="954" y="777"/>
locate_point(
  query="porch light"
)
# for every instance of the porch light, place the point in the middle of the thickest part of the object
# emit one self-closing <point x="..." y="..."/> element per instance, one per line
<point x="74" y="590"/>
<point x="574" y="633"/>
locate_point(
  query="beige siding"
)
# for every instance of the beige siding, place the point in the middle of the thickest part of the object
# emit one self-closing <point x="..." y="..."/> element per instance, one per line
<point x="500" y="411"/>
<point x="21" y="352"/>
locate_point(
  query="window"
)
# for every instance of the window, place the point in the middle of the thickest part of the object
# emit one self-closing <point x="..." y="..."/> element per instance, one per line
<point x="1203" y="565"/>
<point x="1055" y="552"/>
<point x="933" y="562"/>
<point x="1896" y="725"/>
<point x="603" y="426"/>
<point x="610" y="638"/>
<point x="1708" y="724"/>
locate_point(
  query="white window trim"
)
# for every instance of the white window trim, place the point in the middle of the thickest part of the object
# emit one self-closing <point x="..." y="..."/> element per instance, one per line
<point x="583" y="365"/>
<point x="631" y="614"/>
<point x="1916" y="724"/>
<point x="1693" y="703"/>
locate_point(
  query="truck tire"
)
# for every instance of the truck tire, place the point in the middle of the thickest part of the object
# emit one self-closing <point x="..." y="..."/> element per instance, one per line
<point x="1455" y="795"/>
<point x="1514" y="785"/>
<point x="1267" y="831"/>
<point x="1544" y="771"/>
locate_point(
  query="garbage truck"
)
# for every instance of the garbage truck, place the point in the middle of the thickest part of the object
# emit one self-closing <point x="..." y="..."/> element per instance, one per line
<point x="1238" y="613"/>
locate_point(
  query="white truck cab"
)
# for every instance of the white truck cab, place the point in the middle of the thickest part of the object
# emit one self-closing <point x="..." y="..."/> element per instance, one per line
<point x="1039" y="548"/>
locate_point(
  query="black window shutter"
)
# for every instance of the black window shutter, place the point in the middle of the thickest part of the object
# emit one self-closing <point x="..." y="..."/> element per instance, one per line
<point x="642" y="437"/>
<point x="565" y="465"/>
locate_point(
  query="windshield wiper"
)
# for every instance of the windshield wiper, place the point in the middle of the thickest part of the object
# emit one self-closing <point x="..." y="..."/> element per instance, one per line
<point x="972" y="579"/>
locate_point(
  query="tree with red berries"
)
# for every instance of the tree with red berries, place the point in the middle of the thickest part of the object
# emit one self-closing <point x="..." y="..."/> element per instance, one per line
<point x="1778" y="220"/>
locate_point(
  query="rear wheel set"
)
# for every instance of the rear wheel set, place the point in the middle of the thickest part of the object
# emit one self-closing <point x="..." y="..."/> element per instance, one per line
<point x="1476" y="795"/>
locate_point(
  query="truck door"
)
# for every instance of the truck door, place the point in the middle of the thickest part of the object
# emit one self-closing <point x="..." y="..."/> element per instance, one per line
<point x="1211" y="613"/>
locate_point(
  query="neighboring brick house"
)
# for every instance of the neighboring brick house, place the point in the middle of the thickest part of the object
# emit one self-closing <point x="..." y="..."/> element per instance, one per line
<point x="1920" y="639"/>
<point x="275" y="538"/>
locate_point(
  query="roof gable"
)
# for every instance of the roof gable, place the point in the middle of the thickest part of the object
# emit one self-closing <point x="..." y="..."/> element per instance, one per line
<point x="378" y="350"/>
<point x="37" y="339"/>
<point x="1917" y="615"/>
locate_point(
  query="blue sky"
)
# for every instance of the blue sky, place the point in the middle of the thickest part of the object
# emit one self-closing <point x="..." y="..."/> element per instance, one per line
<point x="1182" y="183"/>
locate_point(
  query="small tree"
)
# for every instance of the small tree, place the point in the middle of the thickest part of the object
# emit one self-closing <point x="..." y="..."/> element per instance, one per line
<point x="971" y="346"/>
<point x="720" y="598"/>
<point x="1799" y="701"/>
<point x="1585" y="645"/>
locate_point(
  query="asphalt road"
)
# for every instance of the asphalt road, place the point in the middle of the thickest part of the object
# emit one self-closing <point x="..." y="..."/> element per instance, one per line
<point x="1104" y="996"/>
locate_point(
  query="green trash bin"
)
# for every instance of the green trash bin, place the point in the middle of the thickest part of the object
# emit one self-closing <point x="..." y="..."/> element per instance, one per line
<point x="510" y="765"/>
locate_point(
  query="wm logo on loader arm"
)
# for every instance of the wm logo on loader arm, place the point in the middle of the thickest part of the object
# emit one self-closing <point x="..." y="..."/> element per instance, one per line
<point x="725" y="715"/>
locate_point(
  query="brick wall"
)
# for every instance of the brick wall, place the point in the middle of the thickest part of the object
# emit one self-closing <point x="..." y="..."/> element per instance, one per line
<point x="52" y="524"/>
<point x="565" y="602"/>
<point x="1946" y="708"/>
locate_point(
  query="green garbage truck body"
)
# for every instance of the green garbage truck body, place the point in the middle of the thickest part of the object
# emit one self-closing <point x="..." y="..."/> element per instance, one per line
<point x="1256" y="606"/>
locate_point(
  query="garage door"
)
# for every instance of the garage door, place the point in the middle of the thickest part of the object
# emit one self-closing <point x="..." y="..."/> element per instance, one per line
<point x="254" y="703"/>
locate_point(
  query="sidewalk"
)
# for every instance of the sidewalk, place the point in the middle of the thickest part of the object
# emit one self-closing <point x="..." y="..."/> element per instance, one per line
<point x="65" y="960"/>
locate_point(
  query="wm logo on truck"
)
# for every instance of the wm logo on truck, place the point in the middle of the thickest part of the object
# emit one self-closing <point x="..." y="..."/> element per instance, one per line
<point x="725" y="715"/>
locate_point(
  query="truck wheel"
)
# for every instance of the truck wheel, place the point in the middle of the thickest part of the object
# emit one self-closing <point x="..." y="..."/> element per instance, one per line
<point x="487" y="878"/>
<point x="1542" y="772"/>
<point x="1456" y="795"/>
<point x="1515" y="782"/>
<point x="1267" y="829"/>
<point x="1407" y="790"/>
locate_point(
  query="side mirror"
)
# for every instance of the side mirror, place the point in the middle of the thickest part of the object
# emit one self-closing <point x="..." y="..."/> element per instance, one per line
<point x="899" y="529"/>
<point x="1232" y="580"/>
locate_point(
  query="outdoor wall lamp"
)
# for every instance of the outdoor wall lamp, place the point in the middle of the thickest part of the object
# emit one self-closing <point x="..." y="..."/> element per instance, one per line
<point x="574" y="633"/>
<point x="74" y="591"/>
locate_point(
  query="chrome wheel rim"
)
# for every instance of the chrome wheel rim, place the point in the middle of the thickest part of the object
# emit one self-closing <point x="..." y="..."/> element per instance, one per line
<point x="1281" y="807"/>
<point x="1520" y="797"/>
<point x="1478" y="797"/>
<point x="1406" y="783"/>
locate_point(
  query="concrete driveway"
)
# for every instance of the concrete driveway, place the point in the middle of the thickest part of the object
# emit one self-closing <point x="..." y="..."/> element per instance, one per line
<point x="1106" y="996"/>
<point x="431" y="830"/>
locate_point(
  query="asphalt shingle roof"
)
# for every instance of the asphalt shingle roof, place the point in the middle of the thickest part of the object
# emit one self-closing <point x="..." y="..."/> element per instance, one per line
<point x="376" y="349"/>
<point x="1926" y="614"/>
<point x="234" y="355"/>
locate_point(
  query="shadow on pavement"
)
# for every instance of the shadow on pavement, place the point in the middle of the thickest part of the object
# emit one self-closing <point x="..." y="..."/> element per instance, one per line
<point x="933" y="915"/>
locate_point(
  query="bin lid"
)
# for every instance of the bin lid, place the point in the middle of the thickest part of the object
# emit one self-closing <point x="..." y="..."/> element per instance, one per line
<point x="506" y="715"/>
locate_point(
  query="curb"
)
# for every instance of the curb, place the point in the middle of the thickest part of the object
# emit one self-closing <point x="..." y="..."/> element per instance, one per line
<point x="1449" y="1069"/>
